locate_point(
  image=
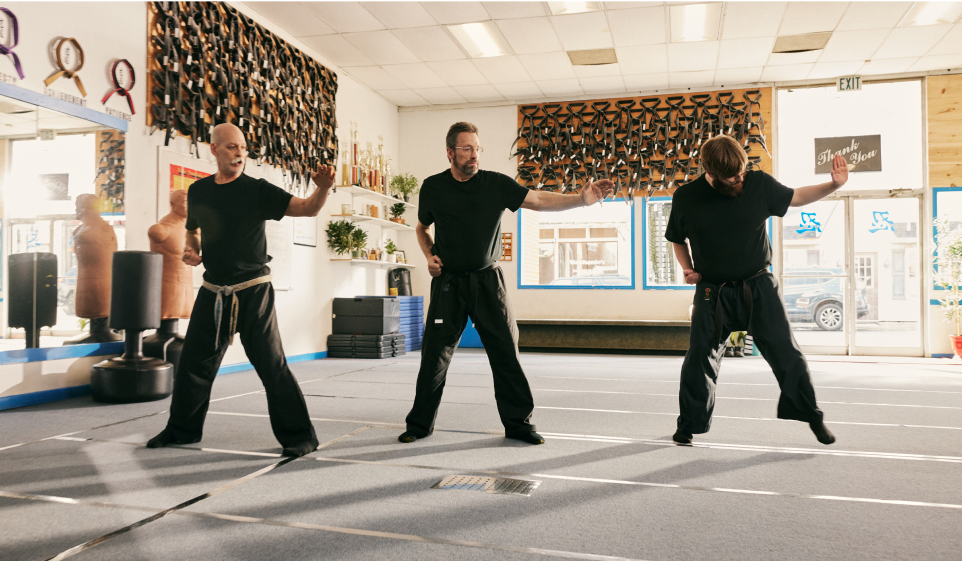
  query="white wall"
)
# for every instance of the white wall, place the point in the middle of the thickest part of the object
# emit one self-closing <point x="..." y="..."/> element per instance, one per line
<point x="422" y="153"/>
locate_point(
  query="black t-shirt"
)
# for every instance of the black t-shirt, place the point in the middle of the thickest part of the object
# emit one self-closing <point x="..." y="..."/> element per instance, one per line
<point x="231" y="219"/>
<point x="727" y="235"/>
<point x="467" y="235"/>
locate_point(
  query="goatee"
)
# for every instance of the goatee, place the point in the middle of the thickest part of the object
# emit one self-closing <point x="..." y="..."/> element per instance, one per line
<point x="468" y="170"/>
<point x="730" y="191"/>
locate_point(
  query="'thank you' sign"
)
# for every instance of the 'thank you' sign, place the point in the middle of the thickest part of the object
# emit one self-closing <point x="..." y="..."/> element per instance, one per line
<point x="864" y="152"/>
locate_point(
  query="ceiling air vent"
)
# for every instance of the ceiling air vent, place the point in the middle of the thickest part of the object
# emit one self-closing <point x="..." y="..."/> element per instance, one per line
<point x="592" y="57"/>
<point x="801" y="43"/>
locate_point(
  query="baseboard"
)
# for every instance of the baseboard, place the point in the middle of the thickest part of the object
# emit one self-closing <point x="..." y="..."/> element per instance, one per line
<point x="46" y="396"/>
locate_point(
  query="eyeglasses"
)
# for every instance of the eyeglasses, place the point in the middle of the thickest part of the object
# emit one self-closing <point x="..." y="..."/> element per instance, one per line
<point x="733" y="180"/>
<point x="469" y="149"/>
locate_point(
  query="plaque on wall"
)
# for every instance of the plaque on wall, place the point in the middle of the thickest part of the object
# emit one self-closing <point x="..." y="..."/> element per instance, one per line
<point x="864" y="152"/>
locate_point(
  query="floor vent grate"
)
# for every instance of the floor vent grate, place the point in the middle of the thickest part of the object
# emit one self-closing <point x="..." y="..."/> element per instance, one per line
<point x="496" y="485"/>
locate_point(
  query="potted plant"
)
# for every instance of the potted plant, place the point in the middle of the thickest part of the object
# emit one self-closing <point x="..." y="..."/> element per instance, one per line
<point x="339" y="236"/>
<point x="358" y="241"/>
<point x="405" y="184"/>
<point x="397" y="211"/>
<point x="948" y="275"/>
<point x="390" y="248"/>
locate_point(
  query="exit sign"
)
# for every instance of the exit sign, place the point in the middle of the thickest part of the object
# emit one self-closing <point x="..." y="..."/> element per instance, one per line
<point x="849" y="84"/>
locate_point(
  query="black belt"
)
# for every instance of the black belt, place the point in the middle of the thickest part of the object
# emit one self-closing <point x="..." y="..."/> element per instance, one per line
<point x="747" y="301"/>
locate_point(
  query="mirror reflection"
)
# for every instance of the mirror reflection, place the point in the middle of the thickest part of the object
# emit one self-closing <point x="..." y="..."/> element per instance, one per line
<point x="61" y="186"/>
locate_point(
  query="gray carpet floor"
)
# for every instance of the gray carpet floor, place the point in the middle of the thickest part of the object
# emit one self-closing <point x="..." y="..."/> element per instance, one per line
<point x="77" y="482"/>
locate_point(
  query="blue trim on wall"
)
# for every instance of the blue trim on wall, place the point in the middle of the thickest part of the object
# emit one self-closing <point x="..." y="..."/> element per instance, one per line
<point x="943" y="355"/>
<point x="562" y="287"/>
<point x="61" y="106"/>
<point x="242" y="366"/>
<point x="57" y="353"/>
<point x="935" y="214"/>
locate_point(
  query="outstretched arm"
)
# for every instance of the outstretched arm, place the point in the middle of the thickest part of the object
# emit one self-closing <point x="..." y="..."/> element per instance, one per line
<point x="812" y="193"/>
<point x="324" y="179"/>
<point x="590" y="194"/>
<point x="683" y="256"/>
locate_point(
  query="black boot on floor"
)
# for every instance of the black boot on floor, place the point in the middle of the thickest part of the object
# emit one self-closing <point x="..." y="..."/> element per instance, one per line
<point x="681" y="437"/>
<point x="166" y="437"/>
<point x="822" y="433"/>
<point x="530" y="437"/>
<point x="298" y="450"/>
<point x="408" y="437"/>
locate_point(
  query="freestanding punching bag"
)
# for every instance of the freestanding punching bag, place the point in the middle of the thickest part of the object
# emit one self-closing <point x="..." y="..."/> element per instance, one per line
<point x="33" y="293"/>
<point x="134" y="307"/>
<point x="400" y="278"/>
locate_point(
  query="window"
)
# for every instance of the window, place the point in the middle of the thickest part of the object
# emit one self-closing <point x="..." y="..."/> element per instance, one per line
<point x="864" y="274"/>
<point x="898" y="274"/>
<point x="580" y="248"/>
<point x="661" y="268"/>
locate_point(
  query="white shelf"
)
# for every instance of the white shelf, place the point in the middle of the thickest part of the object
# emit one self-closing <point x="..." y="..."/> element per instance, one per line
<point x="371" y="263"/>
<point x="386" y="224"/>
<point x="362" y="192"/>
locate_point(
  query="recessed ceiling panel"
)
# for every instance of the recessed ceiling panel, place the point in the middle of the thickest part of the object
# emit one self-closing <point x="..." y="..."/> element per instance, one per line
<point x="647" y="59"/>
<point x="735" y="76"/>
<point x="951" y="44"/>
<point x="689" y="57"/>
<point x="530" y="35"/>
<point x="745" y="20"/>
<point x="294" y="17"/>
<point x="745" y="53"/>
<point x="911" y="41"/>
<point x="338" y="50"/>
<point x="417" y="75"/>
<point x="853" y="45"/>
<point x="887" y="66"/>
<point x="345" y="17"/>
<point x="811" y="17"/>
<point x="502" y="69"/>
<point x="519" y="90"/>
<point x="511" y="10"/>
<point x="382" y="47"/>
<point x="646" y="82"/>
<point x="441" y="96"/>
<point x="561" y="89"/>
<point x="608" y="85"/>
<point x="430" y="43"/>
<point x="400" y="14"/>
<point x="458" y="72"/>
<point x="644" y="26"/>
<point x="690" y="79"/>
<point x="449" y="13"/>
<point x="581" y="32"/>
<point x="479" y="93"/>
<point x="940" y="62"/>
<point x="598" y="70"/>
<point x="376" y="78"/>
<point x="548" y="66"/>
<point x="834" y="69"/>
<point x="404" y="98"/>
<point x="873" y="15"/>
<point x="786" y="73"/>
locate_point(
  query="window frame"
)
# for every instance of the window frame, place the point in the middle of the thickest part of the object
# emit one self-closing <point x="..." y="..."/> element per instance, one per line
<point x="935" y="237"/>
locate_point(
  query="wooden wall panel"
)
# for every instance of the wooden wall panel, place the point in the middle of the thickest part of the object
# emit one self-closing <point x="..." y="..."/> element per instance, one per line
<point x="944" y="104"/>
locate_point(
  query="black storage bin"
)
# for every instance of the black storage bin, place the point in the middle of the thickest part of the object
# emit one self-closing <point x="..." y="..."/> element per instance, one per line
<point x="33" y="293"/>
<point x="367" y="307"/>
<point x="366" y="325"/>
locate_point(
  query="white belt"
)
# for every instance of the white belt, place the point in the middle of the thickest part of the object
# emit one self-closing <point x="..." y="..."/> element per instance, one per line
<point x="231" y="292"/>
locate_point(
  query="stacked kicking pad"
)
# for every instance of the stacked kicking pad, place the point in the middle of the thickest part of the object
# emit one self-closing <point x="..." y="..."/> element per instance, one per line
<point x="412" y="321"/>
<point x="365" y="346"/>
<point x="366" y="327"/>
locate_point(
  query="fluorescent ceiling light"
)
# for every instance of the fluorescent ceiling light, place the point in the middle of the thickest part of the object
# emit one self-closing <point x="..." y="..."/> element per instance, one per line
<point x="480" y="39"/>
<point x="932" y="13"/>
<point x="694" y="22"/>
<point x="564" y="8"/>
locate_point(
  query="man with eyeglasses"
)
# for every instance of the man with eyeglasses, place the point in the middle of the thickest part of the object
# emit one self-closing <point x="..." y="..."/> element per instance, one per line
<point x="465" y="204"/>
<point x="722" y="214"/>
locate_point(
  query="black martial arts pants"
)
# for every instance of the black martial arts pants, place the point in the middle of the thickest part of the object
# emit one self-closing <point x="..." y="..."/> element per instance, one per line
<point x="482" y="296"/>
<point x="773" y="336"/>
<point x="200" y="360"/>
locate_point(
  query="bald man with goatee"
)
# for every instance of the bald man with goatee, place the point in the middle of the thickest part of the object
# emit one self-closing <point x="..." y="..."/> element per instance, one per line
<point x="226" y="216"/>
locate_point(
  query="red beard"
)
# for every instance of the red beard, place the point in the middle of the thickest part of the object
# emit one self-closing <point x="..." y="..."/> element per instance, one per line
<point x="731" y="191"/>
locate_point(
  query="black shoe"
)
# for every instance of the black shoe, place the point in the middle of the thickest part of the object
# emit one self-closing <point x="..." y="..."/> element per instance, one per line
<point x="298" y="450"/>
<point x="166" y="438"/>
<point x="408" y="437"/>
<point x="738" y="352"/>
<point x="530" y="437"/>
<point x="681" y="437"/>
<point x="822" y="433"/>
<point x="728" y="351"/>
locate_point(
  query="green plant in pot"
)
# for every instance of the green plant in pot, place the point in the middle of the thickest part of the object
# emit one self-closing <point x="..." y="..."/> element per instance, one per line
<point x="339" y="236"/>
<point x="397" y="211"/>
<point x="358" y="242"/>
<point x="390" y="248"/>
<point x="948" y="276"/>
<point x="405" y="185"/>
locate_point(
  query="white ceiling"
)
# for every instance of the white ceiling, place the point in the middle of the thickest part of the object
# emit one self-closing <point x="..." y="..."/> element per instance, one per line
<point x="403" y="51"/>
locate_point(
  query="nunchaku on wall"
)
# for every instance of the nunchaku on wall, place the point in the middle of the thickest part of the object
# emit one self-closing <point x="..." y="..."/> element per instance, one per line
<point x="210" y="64"/>
<point x="644" y="144"/>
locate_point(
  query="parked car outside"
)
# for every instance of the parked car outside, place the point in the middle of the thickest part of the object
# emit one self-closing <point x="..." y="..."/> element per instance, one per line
<point x="818" y="299"/>
<point x="66" y="291"/>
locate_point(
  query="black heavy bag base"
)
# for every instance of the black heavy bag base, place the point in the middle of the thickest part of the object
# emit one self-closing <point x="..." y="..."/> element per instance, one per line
<point x="166" y="343"/>
<point x="123" y="380"/>
<point x="99" y="333"/>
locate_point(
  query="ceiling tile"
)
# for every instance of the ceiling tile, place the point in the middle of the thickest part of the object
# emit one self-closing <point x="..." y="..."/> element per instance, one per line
<point x="294" y="17"/>
<point x="646" y="82"/>
<point x="951" y="44"/>
<point x="643" y="26"/>
<point x="440" y="95"/>
<point x="519" y="90"/>
<point x="911" y="41"/>
<point x="811" y="17"/>
<point x="853" y="45"/>
<point x="735" y="76"/>
<point x="834" y="69"/>
<point x="449" y="13"/>
<point x="619" y="5"/>
<point x="417" y="75"/>
<point x="746" y="20"/>
<point x="887" y="66"/>
<point x="400" y="14"/>
<point x="687" y="57"/>
<point x="782" y="59"/>
<point x="580" y="32"/>
<point x="338" y="50"/>
<point x="479" y="93"/>
<point x="561" y="88"/>
<point x="940" y="62"/>
<point x="786" y="73"/>
<point x="430" y="43"/>
<point x="502" y="69"/>
<point x="873" y="15"/>
<point x="548" y="66"/>
<point x="382" y="47"/>
<point x="597" y="70"/>
<point x="530" y="35"/>
<point x="458" y="72"/>
<point x="698" y="79"/>
<point x="743" y="53"/>
<point x="404" y="97"/>
<point x="649" y="59"/>
<point x="603" y="85"/>
<point x="511" y="10"/>
<point x="375" y="78"/>
<point x="345" y="17"/>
